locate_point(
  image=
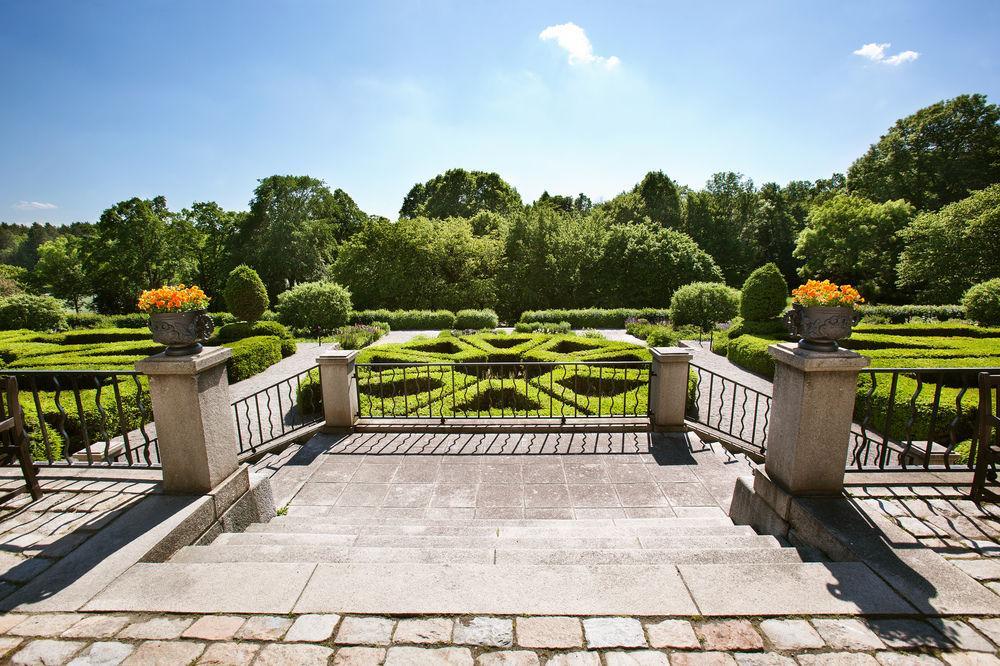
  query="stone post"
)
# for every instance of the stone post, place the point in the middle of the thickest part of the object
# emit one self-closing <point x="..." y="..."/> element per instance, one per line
<point x="810" y="423"/>
<point x="668" y="387"/>
<point x="195" y="427"/>
<point x="340" y="399"/>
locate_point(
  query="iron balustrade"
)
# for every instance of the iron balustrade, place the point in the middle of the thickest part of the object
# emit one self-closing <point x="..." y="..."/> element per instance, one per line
<point x="515" y="389"/>
<point x="728" y="409"/>
<point x="88" y="417"/>
<point x="916" y="419"/>
<point x="275" y="414"/>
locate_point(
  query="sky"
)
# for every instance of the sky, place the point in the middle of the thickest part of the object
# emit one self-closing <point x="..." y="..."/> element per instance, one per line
<point x="101" y="101"/>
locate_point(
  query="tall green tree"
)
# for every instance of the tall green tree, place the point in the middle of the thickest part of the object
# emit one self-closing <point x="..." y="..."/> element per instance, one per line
<point x="204" y="232"/>
<point x="719" y="219"/>
<point x="933" y="157"/>
<point x="655" y="200"/>
<point x="855" y="240"/>
<point x="292" y="230"/>
<point x="773" y="230"/>
<point x="60" y="271"/>
<point x="461" y="193"/>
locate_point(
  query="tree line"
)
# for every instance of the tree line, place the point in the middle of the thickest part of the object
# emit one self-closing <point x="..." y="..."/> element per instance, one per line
<point x="915" y="218"/>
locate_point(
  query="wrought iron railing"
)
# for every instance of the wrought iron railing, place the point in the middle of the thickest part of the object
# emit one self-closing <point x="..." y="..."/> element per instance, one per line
<point x="553" y="390"/>
<point x="916" y="418"/>
<point x="729" y="409"/>
<point x="276" y="413"/>
<point x="87" y="417"/>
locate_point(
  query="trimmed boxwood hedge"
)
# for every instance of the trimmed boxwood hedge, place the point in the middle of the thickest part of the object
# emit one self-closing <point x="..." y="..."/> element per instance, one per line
<point x="476" y="320"/>
<point x="595" y="317"/>
<point x="251" y="356"/>
<point x="598" y="390"/>
<point x="407" y="320"/>
<point x="900" y="314"/>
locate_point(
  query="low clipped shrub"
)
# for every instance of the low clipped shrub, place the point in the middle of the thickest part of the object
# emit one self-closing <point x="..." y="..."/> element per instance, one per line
<point x="595" y="317"/>
<point x="476" y="319"/>
<point x="407" y="320"/>
<point x="543" y="327"/>
<point x="241" y="329"/>
<point x="220" y="319"/>
<point x="309" y="395"/>
<point x="764" y="294"/>
<point x="901" y="314"/>
<point x="772" y="327"/>
<point x="251" y="356"/>
<point x="245" y="294"/>
<point x="88" y="320"/>
<point x="662" y="336"/>
<point x="704" y="304"/>
<point x="982" y="302"/>
<point x="315" y="307"/>
<point x="38" y="313"/>
<point x="750" y="352"/>
<point x="131" y="320"/>
<point x="89" y="336"/>
<point x="359" y="336"/>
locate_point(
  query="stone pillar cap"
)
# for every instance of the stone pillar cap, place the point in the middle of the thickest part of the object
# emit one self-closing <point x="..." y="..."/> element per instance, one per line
<point x="192" y="364"/>
<point x="842" y="360"/>
<point x="337" y="356"/>
<point x="668" y="354"/>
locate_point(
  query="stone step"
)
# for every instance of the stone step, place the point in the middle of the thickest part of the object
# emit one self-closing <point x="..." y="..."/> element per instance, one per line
<point x="829" y="588"/>
<point x="546" y="523"/>
<point x="556" y="557"/>
<point x="391" y="541"/>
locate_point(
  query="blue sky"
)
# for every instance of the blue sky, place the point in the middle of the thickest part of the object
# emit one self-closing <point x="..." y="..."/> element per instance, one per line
<point x="102" y="100"/>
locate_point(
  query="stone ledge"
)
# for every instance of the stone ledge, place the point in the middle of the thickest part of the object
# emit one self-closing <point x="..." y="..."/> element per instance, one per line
<point x="671" y="354"/>
<point x="337" y="357"/>
<point x="841" y="360"/>
<point x="161" y="364"/>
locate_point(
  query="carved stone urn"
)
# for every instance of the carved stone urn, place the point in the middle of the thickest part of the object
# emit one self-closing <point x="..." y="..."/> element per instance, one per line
<point x="819" y="328"/>
<point x="181" y="332"/>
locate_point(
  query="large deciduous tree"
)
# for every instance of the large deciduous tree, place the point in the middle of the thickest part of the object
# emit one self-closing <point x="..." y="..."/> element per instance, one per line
<point x="935" y="156"/>
<point x="60" y="271"/>
<point x="948" y="251"/>
<point x="856" y="240"/>
<point x="772" y="230"/>
<point x="719" y="217"/>
<point x="654" y="200"/>
<point x="205" y="231"/>
<point x="461" y="193"/>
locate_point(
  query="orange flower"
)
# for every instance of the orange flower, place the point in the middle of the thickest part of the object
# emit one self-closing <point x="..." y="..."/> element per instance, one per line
<point x="827" y="294"/>
<point x="179" y="298"/>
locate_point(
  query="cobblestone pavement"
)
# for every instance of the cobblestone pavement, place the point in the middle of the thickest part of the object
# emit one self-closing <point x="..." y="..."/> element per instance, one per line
<point x="78" y="639"/>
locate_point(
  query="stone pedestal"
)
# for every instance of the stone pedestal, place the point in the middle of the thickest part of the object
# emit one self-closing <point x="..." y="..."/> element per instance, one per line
<point x="195" y="425"/>
<point x="668" y="387"/>
<point x="810" y="421"/>
<point x="340" y="399"/>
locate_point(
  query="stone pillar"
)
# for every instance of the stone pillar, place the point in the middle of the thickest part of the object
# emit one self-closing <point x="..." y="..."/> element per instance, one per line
<point x="668" y="387"/>
<point x="340" y="399"/>
<point x="810" y="422"/>
<point x="195" y="426"/>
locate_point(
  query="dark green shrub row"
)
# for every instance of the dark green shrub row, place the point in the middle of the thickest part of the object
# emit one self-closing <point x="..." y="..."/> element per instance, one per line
<point x="750" y="353"/>
<point x="88" y="320"/>
<point x="252" y="355"/>
<point x="240" y="330"/>
<point x="309" y="395"/>
<point x="407" y="320"/>
<point x="900" y="314"/>
<point x="595" y="317"/>
<point x="132" y="320"/>
<point x="476" y="320"/>
<point x="88" y="336"/>
<point x="768" y="328"/>
<point x="542" y="327"/>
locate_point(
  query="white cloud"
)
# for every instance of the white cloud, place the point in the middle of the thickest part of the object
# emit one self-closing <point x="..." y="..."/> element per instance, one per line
<point x="571" y="38"/>
<point x="876" y="53"/>
<point x="34" y="205"/>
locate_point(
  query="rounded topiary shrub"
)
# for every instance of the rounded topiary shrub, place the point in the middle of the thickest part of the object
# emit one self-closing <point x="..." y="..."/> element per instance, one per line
<point x="982" y="302"/>
<point x="39" y="313"/>
<point x="704" y="304"/>
<point x="315" y="307"/>
<point x="764" y="295"/>
<point x="246" y="296"/>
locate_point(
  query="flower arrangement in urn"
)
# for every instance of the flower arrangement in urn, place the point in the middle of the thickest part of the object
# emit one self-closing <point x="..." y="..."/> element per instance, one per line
<point x="177" y="317"/>
<point x="822" y="313"/>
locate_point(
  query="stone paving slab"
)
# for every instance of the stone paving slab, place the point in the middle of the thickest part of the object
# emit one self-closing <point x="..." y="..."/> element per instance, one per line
<point x="573" y="590"/>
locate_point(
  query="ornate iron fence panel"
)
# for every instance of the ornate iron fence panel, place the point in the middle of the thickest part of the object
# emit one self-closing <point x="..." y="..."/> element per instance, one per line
<point x="88" y="417"/>
<point x="279" y="411"/>
<point x="916" y="419"/>
<point x="729" y="410"/>
<point x="512" y="390"/>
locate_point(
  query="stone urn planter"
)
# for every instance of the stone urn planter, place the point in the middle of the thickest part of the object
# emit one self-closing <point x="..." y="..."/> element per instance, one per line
<point x="181" y="332"/>
<point x="819" y="328"/>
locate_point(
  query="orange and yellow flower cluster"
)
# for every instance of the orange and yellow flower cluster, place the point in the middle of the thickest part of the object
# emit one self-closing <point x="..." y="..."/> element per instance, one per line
<point x="826" y="294"/>
<point x="173" y="298"/>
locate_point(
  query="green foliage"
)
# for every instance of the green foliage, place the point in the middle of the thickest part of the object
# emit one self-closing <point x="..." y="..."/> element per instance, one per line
<point x="460" y="193"/>
<point x="133" y="320"/>
<point x="89" y="336"/>
<point x="949" y="251"/>
<point x="719" y="218"/>
<point x="246" y="296"/>
<point x="595" y="317"/>
<point x="750" y="352"/>
<point x="900" y="314"/>
<point x="309" y="394"/>
<point x="935" y="156"/>
<point x="654" y="200"/>
<point x="59" y="269"/>
<point x="660" y="335"/>
<point x="854" y="240"/>
<point x="542" y="327"/>
<point x="419" y="263"/>
<point x="476" y="319"/>
<point x="982" y="302"/>
<point x="769" y="328"/>
<point x="317" y="307"/>
<point x="764" y="294"/>
<point x="407" y="320"/>
<point x="358" y="336"/>
<point x="38" y="313"/>
<point x="704" y="304"/>
<point x="252" y="356"/>
<point x="88" y="320"/>
<point x="241" y="329"/>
